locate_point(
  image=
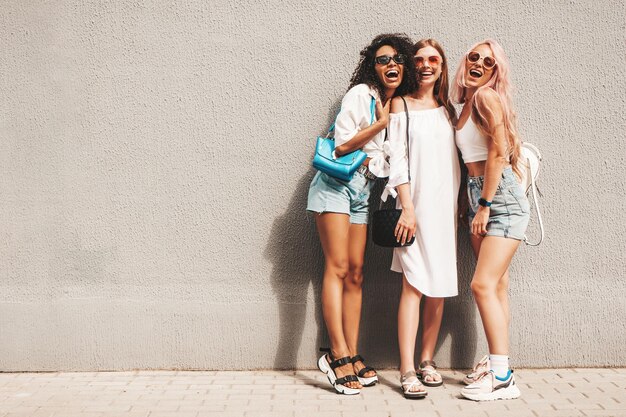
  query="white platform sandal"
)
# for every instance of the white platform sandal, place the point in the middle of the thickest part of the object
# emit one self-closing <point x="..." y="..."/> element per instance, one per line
<point x="328" y="367"/>
<point x="366" y="381"/>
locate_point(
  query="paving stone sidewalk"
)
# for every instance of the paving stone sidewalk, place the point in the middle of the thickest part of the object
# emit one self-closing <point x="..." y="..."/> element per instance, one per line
<point x="545" y="393"/>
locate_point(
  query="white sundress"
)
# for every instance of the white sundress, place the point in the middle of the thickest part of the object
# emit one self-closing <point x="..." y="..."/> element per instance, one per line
<point x="430" y="263"/>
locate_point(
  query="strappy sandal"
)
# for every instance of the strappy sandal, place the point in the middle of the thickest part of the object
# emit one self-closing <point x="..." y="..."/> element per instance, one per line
<point x="366" y="381"/>
<point x="479" y="368"/>
<point x="409" y="381"/>
<point x="429" y="368"/>
<point x="329" y="369"/>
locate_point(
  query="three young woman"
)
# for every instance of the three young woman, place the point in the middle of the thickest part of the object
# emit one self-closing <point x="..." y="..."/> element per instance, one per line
<point x="423" y="170"/>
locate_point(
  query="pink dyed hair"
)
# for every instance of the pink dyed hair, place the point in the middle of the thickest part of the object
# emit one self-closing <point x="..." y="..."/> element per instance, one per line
<point x="500" y="82"/>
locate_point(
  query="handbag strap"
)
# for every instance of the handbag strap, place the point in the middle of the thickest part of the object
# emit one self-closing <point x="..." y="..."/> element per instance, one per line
<point x="408" y="153"/>
<point x="408" y="162"/>
<point x="331" y="129"/>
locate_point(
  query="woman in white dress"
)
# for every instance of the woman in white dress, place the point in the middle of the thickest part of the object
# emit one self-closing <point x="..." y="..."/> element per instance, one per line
<point x="426" y="178"/>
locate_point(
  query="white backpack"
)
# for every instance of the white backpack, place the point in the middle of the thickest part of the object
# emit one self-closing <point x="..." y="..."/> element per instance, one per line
<point x="529" y="161"/>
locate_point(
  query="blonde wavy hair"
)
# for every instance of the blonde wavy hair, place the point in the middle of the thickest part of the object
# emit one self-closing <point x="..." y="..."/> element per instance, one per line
<point x="500" y="82"/>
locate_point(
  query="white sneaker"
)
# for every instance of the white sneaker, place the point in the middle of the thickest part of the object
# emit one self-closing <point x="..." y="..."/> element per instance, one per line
<point x="488" y="388"/>
<point x="481" y="367"/>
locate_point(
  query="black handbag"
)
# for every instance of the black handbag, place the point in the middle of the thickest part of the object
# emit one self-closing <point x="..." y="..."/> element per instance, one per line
<point x="384" y="221"/>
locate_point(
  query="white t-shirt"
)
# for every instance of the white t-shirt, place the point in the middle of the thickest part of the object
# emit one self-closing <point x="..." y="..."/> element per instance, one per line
<point x="356" y="114"/>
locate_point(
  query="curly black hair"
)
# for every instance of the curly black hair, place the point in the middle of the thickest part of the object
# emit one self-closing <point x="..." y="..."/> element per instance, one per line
<point x="365" y="73"/>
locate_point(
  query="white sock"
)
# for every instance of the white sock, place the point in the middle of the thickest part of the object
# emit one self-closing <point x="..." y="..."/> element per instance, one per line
<point x="499" y="364"/>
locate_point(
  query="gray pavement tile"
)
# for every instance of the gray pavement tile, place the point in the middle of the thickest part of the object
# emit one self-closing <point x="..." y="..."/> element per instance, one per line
<point x="613" y="404"/>
<point x="172" y="414"/>
<point x="603" y="413"/>
<point x="422" y="413"/>
<point x="545" y="392"/>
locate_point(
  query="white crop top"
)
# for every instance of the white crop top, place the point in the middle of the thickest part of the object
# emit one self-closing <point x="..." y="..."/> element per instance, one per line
<point x="472" y="143"/>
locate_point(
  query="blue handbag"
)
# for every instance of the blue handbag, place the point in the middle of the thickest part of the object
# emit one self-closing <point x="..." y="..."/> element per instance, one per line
<point x="344" y="166"/>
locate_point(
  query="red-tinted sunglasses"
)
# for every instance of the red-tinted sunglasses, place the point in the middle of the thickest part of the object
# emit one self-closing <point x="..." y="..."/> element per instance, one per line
<point x="434" y="60"/>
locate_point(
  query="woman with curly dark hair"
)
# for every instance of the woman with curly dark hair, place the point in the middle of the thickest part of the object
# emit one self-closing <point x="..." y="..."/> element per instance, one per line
<point x="341" y="207"/>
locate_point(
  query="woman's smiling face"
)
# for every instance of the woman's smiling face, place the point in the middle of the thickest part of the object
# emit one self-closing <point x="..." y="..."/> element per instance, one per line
<point x="479" y="66"/>
<point x="428" y="63"/>
<point x="391" y="73"/>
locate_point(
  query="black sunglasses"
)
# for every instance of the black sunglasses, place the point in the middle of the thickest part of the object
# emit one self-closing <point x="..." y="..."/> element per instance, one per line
<point x="385" y="59"/>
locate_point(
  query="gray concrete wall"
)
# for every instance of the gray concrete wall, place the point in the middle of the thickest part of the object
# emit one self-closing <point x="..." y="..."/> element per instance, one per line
<point x="155" y="160"/>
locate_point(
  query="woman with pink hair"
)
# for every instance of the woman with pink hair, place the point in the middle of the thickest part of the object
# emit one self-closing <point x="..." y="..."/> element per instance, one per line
<point x="498" y="211"/>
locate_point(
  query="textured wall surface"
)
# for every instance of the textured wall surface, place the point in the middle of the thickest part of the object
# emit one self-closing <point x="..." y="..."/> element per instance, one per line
<point x="155" y="161"/>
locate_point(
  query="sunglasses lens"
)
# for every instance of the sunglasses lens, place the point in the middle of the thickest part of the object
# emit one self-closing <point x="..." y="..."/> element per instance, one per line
<point x="383" y="59"/>
<point x="432" y="60"/>
<point x="489" y="62"/>
<point x="399" y="59"/>
<point x="473" y="57"/>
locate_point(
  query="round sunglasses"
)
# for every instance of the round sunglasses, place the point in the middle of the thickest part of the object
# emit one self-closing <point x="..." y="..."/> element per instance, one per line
<point x="385" y="59"/>
<point x="488" y="61"/>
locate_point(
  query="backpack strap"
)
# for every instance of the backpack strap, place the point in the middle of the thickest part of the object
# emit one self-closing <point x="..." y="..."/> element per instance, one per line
<point x="533" y="187"/>
<point x="535" y="191"/>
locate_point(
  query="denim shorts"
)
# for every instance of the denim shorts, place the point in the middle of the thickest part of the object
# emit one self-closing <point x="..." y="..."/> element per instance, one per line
<point x="510" y="210"/>
<point x="329" y="194"/>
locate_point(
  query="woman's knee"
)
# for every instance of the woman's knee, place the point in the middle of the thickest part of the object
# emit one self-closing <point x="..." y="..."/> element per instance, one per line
<point x="355" y="275"/>
<point x="503" y="286"/>
<point x="338" y="268"/>
<point x="435" y="303"/>
<point x="481" y="286"/>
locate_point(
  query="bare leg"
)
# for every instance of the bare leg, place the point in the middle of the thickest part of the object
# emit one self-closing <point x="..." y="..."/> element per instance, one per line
<point x="334" y="229"/>
<point x="408" y="322"/>
<point x="433" y="313"/>
<point x="493" y="261"/>
<point x="353" y="291"/>
<point x="476" y="241"/>
<point x="503" y="295"/>
<point x="503" y="284"/>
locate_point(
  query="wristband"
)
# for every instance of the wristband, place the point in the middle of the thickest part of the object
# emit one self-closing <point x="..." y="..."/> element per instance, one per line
<point x="483" y="202"/>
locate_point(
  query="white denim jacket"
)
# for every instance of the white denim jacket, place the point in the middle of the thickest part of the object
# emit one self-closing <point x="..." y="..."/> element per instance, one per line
<point x="355" y="114"/>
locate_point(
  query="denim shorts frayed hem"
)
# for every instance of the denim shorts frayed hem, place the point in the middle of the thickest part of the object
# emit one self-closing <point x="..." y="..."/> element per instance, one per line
<point x="331" y="195"/>
<point x="509" y="212"/>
